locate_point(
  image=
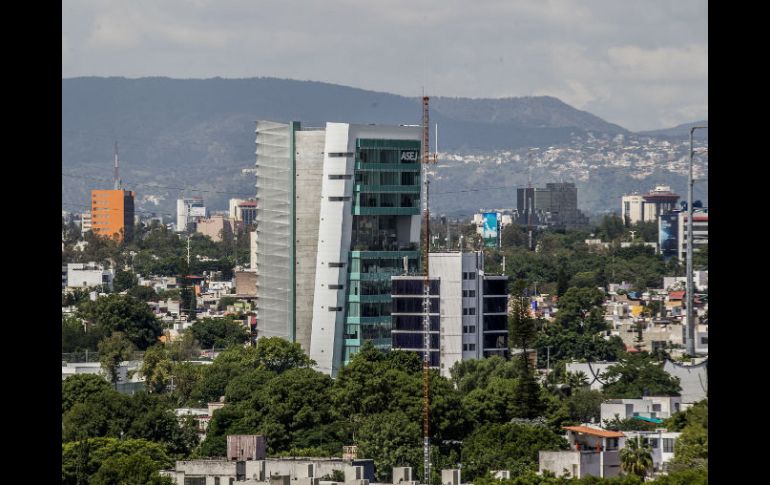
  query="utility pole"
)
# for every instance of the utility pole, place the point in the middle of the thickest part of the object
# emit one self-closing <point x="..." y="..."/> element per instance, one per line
<point x="188" y="252"/>
<point x="689" y="290"/>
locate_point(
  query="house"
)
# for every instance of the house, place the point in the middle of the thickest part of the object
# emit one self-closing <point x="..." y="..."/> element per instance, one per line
<point x="655" y="407"/>
<point x="591" y="451"/>
<point x="661" y="443"/>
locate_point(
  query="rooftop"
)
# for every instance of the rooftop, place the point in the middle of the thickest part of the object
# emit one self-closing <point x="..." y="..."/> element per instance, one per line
<point x="594" y="431"/>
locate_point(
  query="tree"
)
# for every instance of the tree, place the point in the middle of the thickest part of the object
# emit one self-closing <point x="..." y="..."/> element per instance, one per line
<point x="638" y="375"/>
<point x="279" y="355"/>
<point x="507" y="446"/>
<point x="112" y="351"/>
<point x="76" y="337"/>
<point x="157" y="369"/>
<point x="471" y="374"/>
<point x="219" y="332"/>
<point x="114" y="461"/>
<point x="562" y="282"/>
<point x="80" y="388"/>
<point x="124" y="280"/>
<point x="143" y="293"/>
<point x="636" y="458"/>
<point x="391" y="440"/>
<point x="691" y="449"/>
<point x="125" y="314"/>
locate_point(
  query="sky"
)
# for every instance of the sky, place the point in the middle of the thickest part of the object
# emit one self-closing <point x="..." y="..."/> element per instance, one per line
<point x="642" y="65"/>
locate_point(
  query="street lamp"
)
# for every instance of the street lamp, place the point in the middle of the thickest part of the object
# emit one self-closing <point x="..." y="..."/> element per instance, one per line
<point x="689" y="295"/>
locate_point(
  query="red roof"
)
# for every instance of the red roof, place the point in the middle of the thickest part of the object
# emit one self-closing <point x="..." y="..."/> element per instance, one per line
<point x="676" y="295"/>
<point x="247" y="204"/>
<point x="594" y="431"/>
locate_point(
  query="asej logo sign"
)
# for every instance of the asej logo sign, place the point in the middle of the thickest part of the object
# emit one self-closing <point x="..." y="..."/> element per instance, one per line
<point x="409" y="156"/>
<point x="489" y="232"/>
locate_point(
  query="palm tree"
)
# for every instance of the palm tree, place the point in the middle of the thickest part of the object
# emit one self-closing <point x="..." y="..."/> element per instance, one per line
<point x="636" y="458"/>
<point x="576" y="379"/>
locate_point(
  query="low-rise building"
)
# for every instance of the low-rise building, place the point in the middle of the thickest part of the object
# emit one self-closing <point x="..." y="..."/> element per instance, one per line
<point x="591" y="451"/>
<point x="655" y="407"/>
<point x="89" y="275"/>
<point x="661" y="443"/>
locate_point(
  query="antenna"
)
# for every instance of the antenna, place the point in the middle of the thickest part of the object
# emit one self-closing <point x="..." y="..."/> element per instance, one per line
<point x="116" y="176"/>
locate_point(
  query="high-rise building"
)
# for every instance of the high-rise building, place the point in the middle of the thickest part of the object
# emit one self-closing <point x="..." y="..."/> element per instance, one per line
<point x="648" y="207"/>
<point x="337" y="211"/>
<point x="188" y="212"/>
<point x="112" y="213"/>
<point x="468" y="315"/>
<point x="554" y="205"/>
<point x="85" y="222"/>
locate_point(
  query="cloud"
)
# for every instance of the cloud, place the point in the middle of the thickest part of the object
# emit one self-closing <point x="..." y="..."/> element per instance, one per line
<point x="636" y="64"/>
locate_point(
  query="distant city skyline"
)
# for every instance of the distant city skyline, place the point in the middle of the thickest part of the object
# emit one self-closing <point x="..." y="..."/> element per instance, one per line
<point x="643" y="65"/>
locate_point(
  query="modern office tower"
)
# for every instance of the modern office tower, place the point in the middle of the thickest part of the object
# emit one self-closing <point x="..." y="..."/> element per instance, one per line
<point x="554" y="205"/>
<point x="648" y="207"/>
<point x="469" y="311"/>
<point x="337" y="211"/>
<point x="188" y="212"/>
<point x="112" y="213"/>
<point x="243" y="210"/>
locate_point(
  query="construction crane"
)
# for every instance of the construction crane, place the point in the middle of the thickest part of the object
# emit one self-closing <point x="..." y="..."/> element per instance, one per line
<point x="427" y="159"/>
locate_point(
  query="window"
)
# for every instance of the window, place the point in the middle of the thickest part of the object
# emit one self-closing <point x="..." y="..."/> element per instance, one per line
<point x="668" y="445"/>
<point x="469" y="311"/>
<point x="340" y="177"/>
<point x="340" y="154"/>
<point x="469" y="328"/>
<point x="336" y="287"/>
<point x="469" y="293"/>
<point x="469" y="347"/>
<point x="336" y="265"/>
<point x="704" y="340"/>
<point x="654" y="443"/>
<point x="335" y="308"/>
<point x="339" y="199"/>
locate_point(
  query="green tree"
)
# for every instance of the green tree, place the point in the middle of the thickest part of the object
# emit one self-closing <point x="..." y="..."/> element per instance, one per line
<point x="219" y="332"/>
<point x="471" y="374"/>
<point x="157" y="368"/>
<point x="391" y="439"/>
<point x="80" y="388"/>
<point x="636" y="458"/>
<point x="507" y="446"/>
<point x="691" y="449"/>
<point x="77" y="337"/>
<point x="112" y="351"/>
<point x="639" y="375"/>
<point x="106" y="460"/>
<point x="143" y="293"/>
<point x="126" y="314"/>
<point x="124" y="280"/>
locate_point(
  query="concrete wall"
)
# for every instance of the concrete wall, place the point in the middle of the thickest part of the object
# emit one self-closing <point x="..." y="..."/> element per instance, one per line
<point x="309" y="147"/>
<point x="448" y="267"/>
<point x="560" y="462"/>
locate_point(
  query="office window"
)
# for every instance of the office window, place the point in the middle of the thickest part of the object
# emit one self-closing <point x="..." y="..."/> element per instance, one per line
<point x="339" y="199"/>
<point x="335" y="308"/>
<point x="340" y="177"/>
<point x="336" y="287"/>
<point x="469" y="328"/>
<point x="340" y="154"/>
<point x="336" y="265"/>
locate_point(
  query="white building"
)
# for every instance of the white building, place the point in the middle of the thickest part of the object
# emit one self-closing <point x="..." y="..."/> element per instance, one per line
<point x="188" y="211"/>
<point x="651" y="407"/>
<point x="593" y="371"/>
<point x="700" y="280"/>
<point x="337" y="210"/>
<point x="469" y="311"/>
<point x="647" y="207"/>
<point x="660" y="442"/>
<point x="591" y="451"/>
<point x="85" y="222"/>
<point x="88" y="275"/>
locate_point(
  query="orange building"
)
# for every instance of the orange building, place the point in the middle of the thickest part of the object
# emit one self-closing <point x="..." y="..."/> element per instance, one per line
<point x="112" y="213"/>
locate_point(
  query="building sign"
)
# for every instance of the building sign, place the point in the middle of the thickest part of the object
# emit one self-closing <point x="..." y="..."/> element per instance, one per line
<point x="668" y="235"/>
<point x="197" y="212"/>
<point x="490" y="232"/>
<point x="409" y="156"/>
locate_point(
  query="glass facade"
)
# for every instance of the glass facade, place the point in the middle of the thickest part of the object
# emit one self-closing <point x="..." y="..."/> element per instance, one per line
<point x="386" y="195"/>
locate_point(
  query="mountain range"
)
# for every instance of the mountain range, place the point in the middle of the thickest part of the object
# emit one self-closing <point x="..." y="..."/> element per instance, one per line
<point x="195" y="136"/>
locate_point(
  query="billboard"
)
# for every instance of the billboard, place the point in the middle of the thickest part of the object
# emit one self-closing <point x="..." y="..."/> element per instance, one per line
<point x="197" y="211"/>
<point x="668" y="235"/>
<point x="490" y="231"/>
